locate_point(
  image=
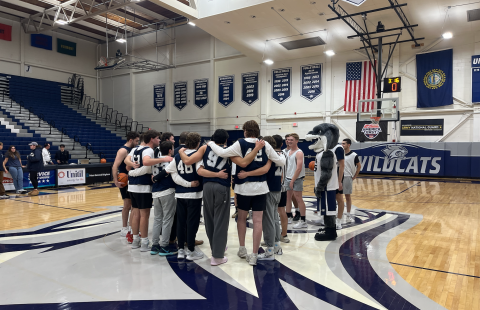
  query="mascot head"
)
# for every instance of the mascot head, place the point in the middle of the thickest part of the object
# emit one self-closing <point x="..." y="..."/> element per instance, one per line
<point x="327" y="136"/>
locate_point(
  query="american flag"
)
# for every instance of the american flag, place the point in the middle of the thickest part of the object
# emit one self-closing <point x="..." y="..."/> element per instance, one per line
<point x="360" y="85"/>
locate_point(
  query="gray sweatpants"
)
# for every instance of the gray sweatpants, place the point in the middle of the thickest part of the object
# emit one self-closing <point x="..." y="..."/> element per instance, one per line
<point x="164" y="210"/>
<point x="216" y="212"/>
<point x="270" y="216"/>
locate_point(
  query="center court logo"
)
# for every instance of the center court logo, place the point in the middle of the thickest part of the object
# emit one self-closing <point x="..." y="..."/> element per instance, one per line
<point x="434" y="79"/>
<point x="371" y="131"/>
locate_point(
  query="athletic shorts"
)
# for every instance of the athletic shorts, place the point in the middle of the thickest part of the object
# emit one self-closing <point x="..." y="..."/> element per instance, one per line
<point x="347" y="185"/>
<point x="254" y="203"/>
<point x="297" y="185"/>
<point x="124" y="192"/>
<point x="340" y="192"/>
<point x="283" y="200"/>
<point x="141" y="200"/>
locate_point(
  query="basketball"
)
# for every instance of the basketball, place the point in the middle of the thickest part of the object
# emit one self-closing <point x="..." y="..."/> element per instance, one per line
<point x="103" y="161"/>
<point x="311" y="165"/>
<point x="123" y="178"/>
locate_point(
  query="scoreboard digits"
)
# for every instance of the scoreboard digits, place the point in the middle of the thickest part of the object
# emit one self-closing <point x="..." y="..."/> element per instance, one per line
<point x="392" y="85"/>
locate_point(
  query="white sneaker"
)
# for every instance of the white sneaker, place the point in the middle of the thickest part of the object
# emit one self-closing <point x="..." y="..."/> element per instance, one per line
<point x="278" y="250"/>
<point x="301" y="224"/>
<point x="268" y="255"/>
<point x="284" y="239"/>
<point x="252" y="259"/>
<point x="136" y="243"/>
<point x="195" y="255"/>
<point x="242" y="252"/>
<point x="144" y="247"/>
<point x="123" y="232"/>
<point x="263" y="243"/>
<point x="339" y="224"/>
<point x="181" y="254"/>
<point x="290" y="220"/>
<point x="350" y="218"/>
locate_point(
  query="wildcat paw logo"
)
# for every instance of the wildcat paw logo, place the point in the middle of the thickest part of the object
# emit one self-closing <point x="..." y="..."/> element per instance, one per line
<point x="371" y="131"/>
<point x="395" y="151"/>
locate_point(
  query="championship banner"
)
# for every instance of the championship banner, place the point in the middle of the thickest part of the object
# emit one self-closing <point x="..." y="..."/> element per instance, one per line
<point x="41" y="41"/>
<point x="66" y="47"/>
<point x="250" y="87"/>
<point x="180" y="95"/>
<point x="201" y="92"/>
<point x="226" y="90"/>
<point x="71" y="176"/>
<point x="424" y="127"/>
<point x="159" y="97"/>
<point x="476" y="79"/>
<point x="282" y="84"/>
<point x="5" y="32"/>
<point x="311" y="81"/>
<point x="367" y="131"/>
<point x="45" y="178"/>
<point x="435" y="79"/>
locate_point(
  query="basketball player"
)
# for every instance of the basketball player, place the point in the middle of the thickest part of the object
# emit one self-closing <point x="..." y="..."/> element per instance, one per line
<point x="251" y="191"/>
<point x="340" y="155"/>
<point x="189" y="193"/>
<point x="352" y="169"/>
<point x="181" y="141"/>
<point x="294" y="176"/>
<point x="167" y="136"/>
<point x="120" y="167"/>
<point x="283" y="196"/>
<point x="290" y="216"/>
<point x="140" y="186"/>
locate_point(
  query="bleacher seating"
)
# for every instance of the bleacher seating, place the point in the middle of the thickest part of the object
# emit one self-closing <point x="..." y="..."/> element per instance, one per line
<point x="44" y="98"/>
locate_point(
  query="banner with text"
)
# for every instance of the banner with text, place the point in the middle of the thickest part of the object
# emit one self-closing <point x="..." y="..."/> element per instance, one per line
<point x="366" y="131"/>
<point x="476" y="79"/>
<point x="422" y="127"/>
<point x="98" y="175"/>
<point x="66" y="47"/>
<point x="5" y="32"/>
<point x="201" y="92"/>
<point x="250" y="87"/>
<point x="226" y="90"/>
<point x="71" y="176"/>
<point x="180" y="95"/>
<point x="311" y="81"/>
<point x="159" y="97"/>
<point x="41" y="41"/>
<point x="281" y="84"/>
<point x="45" y="178"/>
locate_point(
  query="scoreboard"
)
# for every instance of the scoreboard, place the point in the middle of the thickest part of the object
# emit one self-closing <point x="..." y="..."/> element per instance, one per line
<point x="392" y="85"/>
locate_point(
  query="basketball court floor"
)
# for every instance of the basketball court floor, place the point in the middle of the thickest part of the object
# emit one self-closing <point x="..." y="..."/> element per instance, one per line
<point x="413" y="246"/>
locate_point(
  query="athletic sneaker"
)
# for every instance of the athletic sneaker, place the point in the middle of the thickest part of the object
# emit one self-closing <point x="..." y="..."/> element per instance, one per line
<point x="290" y="220"/>
<point x="155" y="249"/>
<point x="284" y="239"/>
<point x="263" y="243"/>
<point x="339" y="224"/>
<point x="301" y="224"/>
<point x="234" y="215"/>
<point x="296" y="217"/>
<point x="349" y="218"/>
<point x="165" y="251"/>
<point x="195" y="255"/>
<point x="136" y="243"/>
<point x="242" y="252"/>
<point x="252" y="259"/>
<point x="278" y="250"/>
<point x="267" y="255"/>
<point x="181" y="254"/>
<point x="22" y="191"/>
<point x="123" y="232"/>
<point x="144" y="246"/>
<point x="129" y="237"/>
<point x="4" y="197"/>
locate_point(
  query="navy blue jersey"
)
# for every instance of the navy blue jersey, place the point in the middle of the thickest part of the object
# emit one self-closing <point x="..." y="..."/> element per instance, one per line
<point x="145" y="179"/>
<point x="122" y="168"/>
<point x="274" y="177"/>
<point x="212" y="162"/>
<point x="260" y="160"/>
<point x="189" y="174"/>
<point x="164" y="183"/>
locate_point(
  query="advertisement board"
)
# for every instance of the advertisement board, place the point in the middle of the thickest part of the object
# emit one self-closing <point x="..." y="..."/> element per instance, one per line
<point x="71" y="176"/>
<point x="98" y="175"/>
<point x="45" y="179"/>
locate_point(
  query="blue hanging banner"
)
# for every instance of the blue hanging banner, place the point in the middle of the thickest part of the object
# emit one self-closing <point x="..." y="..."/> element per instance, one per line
<point x="180" y="95"/>
<point x="250" y="87"/>
<point x="282" y="84"/>
<point x="201" y="92"/>
<point x="226" y="90"/>
<point x="311" y="81"/>
<point x="476" y="85"/>
<point x="159" y="97"/>
<point x="476" y="61"/>
<point x="41" y="41"/>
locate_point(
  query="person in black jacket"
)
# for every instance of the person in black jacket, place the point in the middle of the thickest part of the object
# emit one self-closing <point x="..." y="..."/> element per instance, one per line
<point x="62" y="156"/>
<point x="35" y="165"/>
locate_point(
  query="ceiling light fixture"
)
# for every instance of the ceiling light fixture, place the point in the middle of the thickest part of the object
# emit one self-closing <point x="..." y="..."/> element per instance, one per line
<point x="191" y="24"/>
<point x="447" y="35"/>
<point x="330" y="53"/>
<point x="121" y="40"/>
<point x="268" y="62"/>
<point x="61" y="22"/>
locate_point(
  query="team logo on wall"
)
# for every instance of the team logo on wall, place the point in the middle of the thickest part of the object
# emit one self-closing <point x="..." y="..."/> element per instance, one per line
<point x="395" y="151"/>
<point x="371" y="131"/>
<point x="434" y="79"/>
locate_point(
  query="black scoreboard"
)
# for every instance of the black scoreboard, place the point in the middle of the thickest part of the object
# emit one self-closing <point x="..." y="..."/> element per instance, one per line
<point x="392" y="85"/>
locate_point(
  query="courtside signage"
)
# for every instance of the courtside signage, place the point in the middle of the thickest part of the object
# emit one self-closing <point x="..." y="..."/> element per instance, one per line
<point x="71" y="176"/>
<point x="66" y="47"/>
<point x="45" y="179"/>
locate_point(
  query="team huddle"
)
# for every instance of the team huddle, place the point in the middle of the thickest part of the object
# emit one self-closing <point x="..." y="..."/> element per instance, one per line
<point x="266" y="181"/>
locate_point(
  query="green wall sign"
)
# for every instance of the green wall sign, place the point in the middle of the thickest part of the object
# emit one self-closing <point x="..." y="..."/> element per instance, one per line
<point x="66" y="47"/>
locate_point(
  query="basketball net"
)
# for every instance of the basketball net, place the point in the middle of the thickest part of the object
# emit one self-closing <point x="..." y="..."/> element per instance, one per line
<point x="102" y="62"/>
<point x="375" y="119"/>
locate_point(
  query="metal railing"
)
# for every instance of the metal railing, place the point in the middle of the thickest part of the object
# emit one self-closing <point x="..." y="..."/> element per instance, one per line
<point x="40" y="119"/>
<point x="64" y="132"/>
<point x="75" y="139"/>
<point x="52" y="124"/>
<point x="86" y="149"/>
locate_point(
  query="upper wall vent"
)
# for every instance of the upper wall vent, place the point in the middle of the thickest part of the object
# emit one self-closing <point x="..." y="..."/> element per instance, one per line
<point x="293" y="45"/>
<point x="473" y="15"/>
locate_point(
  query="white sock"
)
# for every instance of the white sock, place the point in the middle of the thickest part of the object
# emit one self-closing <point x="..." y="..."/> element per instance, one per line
<point x="124" y="228"/>
<point x="144" y="240"/>
<point x="135" y="237"/>
<point x="277" y="244"/>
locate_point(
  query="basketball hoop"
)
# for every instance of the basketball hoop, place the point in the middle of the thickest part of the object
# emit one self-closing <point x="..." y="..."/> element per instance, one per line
<point x="102" y="62"/>
<point x="375" y="119"/>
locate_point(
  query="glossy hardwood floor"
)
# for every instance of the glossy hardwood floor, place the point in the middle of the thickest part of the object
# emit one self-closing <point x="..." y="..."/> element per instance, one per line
<point x="440" y="257"/>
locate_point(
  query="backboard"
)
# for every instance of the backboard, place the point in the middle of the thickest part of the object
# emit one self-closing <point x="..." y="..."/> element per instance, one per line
<point x="386" y="108"/>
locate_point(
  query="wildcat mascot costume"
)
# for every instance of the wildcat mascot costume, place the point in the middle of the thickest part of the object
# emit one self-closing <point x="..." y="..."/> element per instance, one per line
<point x="326" y="179"/>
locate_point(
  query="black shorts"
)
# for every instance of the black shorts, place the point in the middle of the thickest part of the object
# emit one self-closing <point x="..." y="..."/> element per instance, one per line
<point x="283" y="200"/>
<point x="254" y="203"/>
<point x="141" y="200"/>
<point x="124" y="192"/>
<point x="339" y="192"/>
<point x="233" y="186"/>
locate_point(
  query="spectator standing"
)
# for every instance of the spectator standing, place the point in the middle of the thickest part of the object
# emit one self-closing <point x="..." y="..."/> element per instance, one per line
<point x="2" y="170"/>
<point x="47" y="158"/>
<point x="14" y="163"/>
<point x="35" y="164"/>
<point x="62" y="156"/>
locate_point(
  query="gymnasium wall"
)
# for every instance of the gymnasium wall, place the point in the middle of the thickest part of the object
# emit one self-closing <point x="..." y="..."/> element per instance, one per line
<point x="47" y="64"/>
<point x="198" y="55"/>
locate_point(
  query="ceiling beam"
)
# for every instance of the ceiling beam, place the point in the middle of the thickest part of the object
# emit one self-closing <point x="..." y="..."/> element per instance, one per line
<point x="177" y="7"/>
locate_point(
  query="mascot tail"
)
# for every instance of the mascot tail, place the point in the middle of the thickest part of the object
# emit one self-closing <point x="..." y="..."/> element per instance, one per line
<point x="326" y="166"/>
